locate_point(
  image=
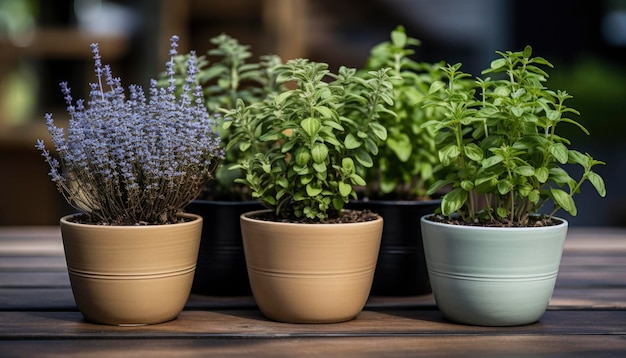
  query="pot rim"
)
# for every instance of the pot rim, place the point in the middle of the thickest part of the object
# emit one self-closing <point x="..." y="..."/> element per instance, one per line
<point x="65" y="221"/>
<point x="246" y="217"/>
<point x="564" y="223"/>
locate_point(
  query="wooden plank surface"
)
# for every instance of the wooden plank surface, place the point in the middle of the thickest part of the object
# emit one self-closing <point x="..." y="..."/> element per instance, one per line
<point x="426" y="346"/>
<point x="38" y="317"/>
<point x="250" y="323"/>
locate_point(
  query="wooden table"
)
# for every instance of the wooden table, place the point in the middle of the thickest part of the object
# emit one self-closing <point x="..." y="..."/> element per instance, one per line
<point x="38" y="317"/>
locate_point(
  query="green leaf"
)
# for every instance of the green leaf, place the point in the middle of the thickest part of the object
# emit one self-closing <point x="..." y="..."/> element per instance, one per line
<point x="560" y="176"/>
<point x="352" y="142"/>
<point x="436" y="86"/>
<point x="398" y="38"/>
<point x="525" y="170"/>
<point x="243" y="146"/>
<point x="364" y="158"/>
<point x="597" y="182"/>
<point x="319" y="152"/>
<point x="502" y="212"/>
<point x="499" y="63"/>
<point x="345" y="189"/>
<point x="438" y="185"/>
<point x="302" y="156"/>
<point x="504" y="186"/>
<point x="269" y="199"/>
<point x="534" y="196"/>
<point x="449" y="154"/>
<point x="324" y="111"/>
<point x="357" y="180"/>
<point x="319" y="167"/>
<point x="334" y="125"/>
<point x="348" y="164"/>
<point x="306" y="179"/>
<point x="280" y="99"/>
<point x="528" y="51"/>
<point x="467" y="185"/>
<point x="313" y="190"/>
<point x="577" y="157"/>
<point x="564" y="200"/>
<point x="401" y="145"/>
<point x="379" y="130"/>
<point x="542" y="174"/>
<point x="311" y="125"/>
<point x="560" y="152"/>
<point x="282" y="182"/>
<point x="287" y="146"/>
<point x="473" y="152"/>
<point x="453" y="201"/>
<point x="491" y="161"/>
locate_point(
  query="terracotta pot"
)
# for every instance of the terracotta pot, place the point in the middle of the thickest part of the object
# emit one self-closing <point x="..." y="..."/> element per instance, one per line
<point x="131" y="275"/>
<point x="310" y="273"/>
<point x="221" y="268"/>
<point x="493" y="276"/>
<point x="401" y="268"/>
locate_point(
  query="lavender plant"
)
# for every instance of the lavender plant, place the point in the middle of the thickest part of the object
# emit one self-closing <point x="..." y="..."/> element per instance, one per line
<point x="231" y="76"/>
<point x="499" y="138"/>
<point x="131" y="160"/>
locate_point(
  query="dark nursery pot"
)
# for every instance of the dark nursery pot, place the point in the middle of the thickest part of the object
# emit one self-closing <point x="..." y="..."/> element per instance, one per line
<point x="401" y="268"/>
<point x="221" y="268"/>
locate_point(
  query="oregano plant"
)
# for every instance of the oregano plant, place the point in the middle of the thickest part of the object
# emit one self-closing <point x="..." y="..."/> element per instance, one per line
<point x="306" y="144"/>
<point x="499" y="137"/>
<point x="404" y="166"/>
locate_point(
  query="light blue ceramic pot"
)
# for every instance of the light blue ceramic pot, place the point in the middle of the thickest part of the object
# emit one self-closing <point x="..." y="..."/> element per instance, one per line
<point x="492" y="276"/>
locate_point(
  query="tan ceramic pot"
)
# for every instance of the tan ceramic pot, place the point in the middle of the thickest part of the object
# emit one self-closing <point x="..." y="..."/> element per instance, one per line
<point x="310" y="273"/>
<point x="131" y="275"/>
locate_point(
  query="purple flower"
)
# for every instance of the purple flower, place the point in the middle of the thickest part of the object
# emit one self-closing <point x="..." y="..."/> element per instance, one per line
<point x="126" y="158"/>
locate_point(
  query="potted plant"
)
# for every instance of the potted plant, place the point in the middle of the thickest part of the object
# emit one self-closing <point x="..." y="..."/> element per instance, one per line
<point x="130" y="165"/>
<point x="403" y="168"/>
<point x="231" y="76"/>
<point x="308" y="259"/>
<point x="493" y="250"/>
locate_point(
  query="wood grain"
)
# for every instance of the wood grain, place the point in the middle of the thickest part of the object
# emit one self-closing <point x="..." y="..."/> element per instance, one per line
<point x="38" y="316"/>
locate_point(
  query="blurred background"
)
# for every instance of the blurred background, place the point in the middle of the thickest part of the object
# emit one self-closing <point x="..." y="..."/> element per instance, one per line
<point x="44" y="42"/>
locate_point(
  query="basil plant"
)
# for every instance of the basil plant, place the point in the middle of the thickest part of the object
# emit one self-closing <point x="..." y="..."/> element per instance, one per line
<point x="500" y="140"/>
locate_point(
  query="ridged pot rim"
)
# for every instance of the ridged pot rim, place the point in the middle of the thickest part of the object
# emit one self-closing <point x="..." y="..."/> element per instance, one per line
<point x="247" y="217"/>
<point x="65" y="221"/>
<point x="424" y="219"/>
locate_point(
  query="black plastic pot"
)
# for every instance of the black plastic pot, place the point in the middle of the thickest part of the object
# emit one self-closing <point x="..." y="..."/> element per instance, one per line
<point x="401" y="268"/>
<point x="221" y="268"/>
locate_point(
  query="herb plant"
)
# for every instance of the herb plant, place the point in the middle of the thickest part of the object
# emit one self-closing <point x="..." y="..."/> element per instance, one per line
<point x="132" y="160"/>
<point x="499" y="137"/>
<point x="230" y="77"/>
<point x="403" y="168"/>
<point x="307" y="144"/>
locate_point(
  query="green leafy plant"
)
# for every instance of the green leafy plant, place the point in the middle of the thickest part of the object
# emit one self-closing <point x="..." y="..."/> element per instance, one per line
<point x="305" y="145"/>
<point x="229" y="78"/>
<point x="499" y="138"/>
<point x="404" y="166"/>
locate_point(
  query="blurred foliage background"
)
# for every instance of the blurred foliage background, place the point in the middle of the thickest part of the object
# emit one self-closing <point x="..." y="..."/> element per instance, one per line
<point x="45" y="42"/>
